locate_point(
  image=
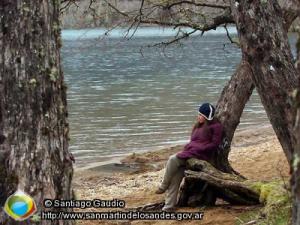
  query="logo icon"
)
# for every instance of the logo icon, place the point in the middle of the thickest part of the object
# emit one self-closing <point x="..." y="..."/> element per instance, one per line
<point x="20" y="206"/>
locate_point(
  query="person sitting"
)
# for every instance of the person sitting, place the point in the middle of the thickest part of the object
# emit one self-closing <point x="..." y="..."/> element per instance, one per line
<point x="205" y="139"/>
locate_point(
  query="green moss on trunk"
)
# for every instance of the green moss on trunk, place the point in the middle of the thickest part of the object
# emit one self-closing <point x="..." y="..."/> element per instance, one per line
<point x="276" y="198"/>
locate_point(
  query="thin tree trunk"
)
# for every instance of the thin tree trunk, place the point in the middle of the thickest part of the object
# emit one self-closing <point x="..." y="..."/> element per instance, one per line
<point x="230" y="107"/>
<point x="33" y="107"/>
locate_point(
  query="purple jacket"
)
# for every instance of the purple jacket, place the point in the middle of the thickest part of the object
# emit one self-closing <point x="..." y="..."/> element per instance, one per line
<point x="202" y="145"/>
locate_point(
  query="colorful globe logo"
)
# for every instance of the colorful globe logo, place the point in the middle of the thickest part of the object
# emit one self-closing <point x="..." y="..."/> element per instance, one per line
<point x="20" y="206"/>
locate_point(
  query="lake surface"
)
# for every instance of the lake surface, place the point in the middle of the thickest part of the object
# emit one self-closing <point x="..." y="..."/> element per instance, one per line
<point x="125" y="97"/>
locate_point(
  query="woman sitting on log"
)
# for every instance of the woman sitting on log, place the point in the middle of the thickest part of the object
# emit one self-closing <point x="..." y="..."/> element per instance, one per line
<point x="205" y="139"/>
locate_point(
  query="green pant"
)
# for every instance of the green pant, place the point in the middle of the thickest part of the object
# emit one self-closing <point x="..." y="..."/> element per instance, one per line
<point x="172" y="179"/>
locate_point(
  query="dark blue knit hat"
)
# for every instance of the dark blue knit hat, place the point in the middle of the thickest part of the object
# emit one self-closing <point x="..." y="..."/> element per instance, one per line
<point x="207" y="110"/>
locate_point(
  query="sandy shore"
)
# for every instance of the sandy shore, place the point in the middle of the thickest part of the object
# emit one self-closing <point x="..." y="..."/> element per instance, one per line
<point x="255" y="153"/>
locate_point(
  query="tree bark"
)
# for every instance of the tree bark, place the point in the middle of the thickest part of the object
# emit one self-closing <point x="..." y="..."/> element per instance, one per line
<point x="265" y="46"/>
<point x="290" y="11"/>
<point x="33" y="106"/>
<point x="237" y="92"/>
<point x="295" y="181"/>
<point x="229" y="109"/>
<point x="297" y="61"/>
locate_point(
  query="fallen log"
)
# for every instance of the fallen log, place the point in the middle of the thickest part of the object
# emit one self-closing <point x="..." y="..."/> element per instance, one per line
<point x="203" y="184"/>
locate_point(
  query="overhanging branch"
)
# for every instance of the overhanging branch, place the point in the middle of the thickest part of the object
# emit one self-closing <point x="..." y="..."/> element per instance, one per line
<point x="169" y="6"/>
<point x="221" y="19"/>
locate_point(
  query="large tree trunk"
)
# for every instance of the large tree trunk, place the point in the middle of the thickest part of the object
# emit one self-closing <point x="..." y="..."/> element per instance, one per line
<point x="265" y="46"/>
<point x="33" y="107"/>
<point x="239" y="89"/>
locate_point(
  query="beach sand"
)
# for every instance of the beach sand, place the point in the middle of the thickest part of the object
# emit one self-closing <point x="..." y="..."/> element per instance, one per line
<point x="255" y="153"/>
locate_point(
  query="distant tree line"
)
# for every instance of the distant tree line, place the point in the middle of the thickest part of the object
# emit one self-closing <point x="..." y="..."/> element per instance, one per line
<point x="83" y="14"/>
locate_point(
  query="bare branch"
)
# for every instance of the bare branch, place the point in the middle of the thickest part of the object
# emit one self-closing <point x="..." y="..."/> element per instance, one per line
<point x="175" y="40"/>
<point x="197" y="4"/>
<point x="139" y="20"/>
<point x="91" y="3"/>
<point x="68" y="3"/>
<point x="141" y="7"/>
<point x="229" y="37"/>
<point x="219" y="20"/>
<point x="116" y="9"/>
<point x="224" y="18"/>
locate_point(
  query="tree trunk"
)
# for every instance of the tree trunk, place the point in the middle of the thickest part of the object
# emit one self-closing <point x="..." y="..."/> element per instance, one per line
<point x="295" y="181"/>
<point x="265" y="46"/>
<point x="290" y="11"/>
<point x="297" y="61"/>
<point x="239" y="89"/>
<point x="293" y="11"/>
<point x="33" y="107"/>
<point x="230" y="107"/>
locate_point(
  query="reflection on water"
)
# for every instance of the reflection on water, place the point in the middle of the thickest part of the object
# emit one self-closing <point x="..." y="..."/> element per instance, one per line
<point x="122" y="101"/>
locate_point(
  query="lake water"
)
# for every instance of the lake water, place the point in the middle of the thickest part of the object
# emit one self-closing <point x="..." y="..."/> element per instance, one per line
<point x="125" y="97"/>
